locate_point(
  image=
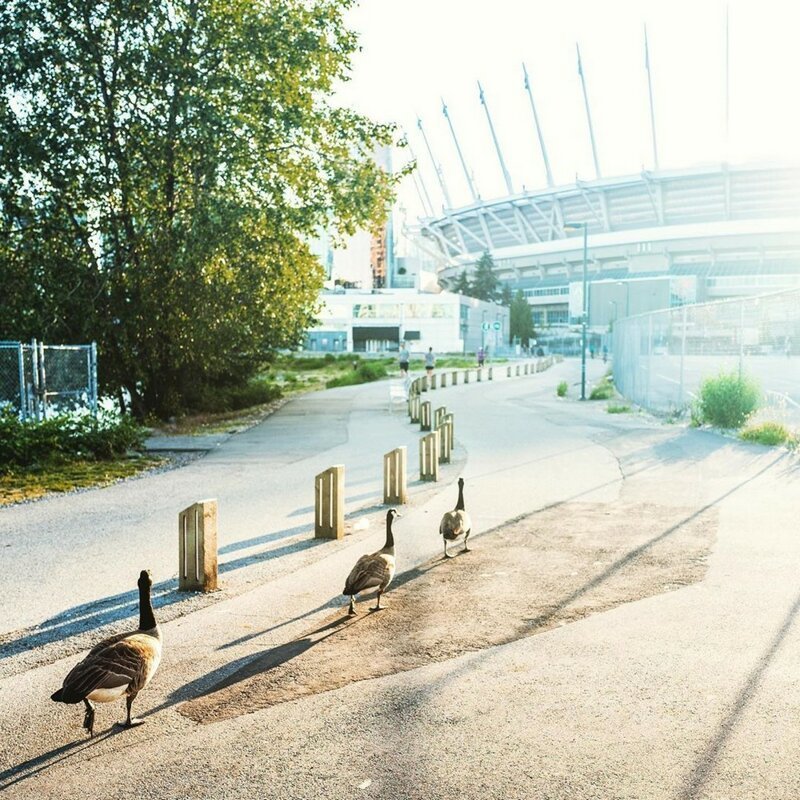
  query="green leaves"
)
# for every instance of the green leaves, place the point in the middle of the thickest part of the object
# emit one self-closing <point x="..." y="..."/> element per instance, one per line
<point x="165" y="164"/>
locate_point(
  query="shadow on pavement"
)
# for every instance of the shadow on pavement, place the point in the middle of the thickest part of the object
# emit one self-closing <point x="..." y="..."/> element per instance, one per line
<point x="27" y="769"/>
<point x="710" y="756"/>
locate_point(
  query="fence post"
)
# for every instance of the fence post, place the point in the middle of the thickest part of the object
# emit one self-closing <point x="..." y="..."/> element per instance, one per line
<point x="425" y="416"/>
<point x="329" y="503"/>
<point x="445" y="431"/>
<point x="413" y="408"/>
<point x="683" y="351"/>
<point x="42" y="380"/>
<point x="197" y="547"/>
<point x="429" y="457"/>
<point x="93" y="376"/>
<point x="395" y="481"/>
<point x="23" y="403"/>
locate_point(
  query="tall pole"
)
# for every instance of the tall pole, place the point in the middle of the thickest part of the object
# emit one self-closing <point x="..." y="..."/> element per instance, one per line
<point x="506" y="174"/>
<point x="650" y="91"/>
<point x="585" y="313"/>
<point x="538" y="127"/>
<point x="588" y="113"/>
<point x="436" y="168"/>
<point x="417" y="175"/>
<point x="470" y="182"/>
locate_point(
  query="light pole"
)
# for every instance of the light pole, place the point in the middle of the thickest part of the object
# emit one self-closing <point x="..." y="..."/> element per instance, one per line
<point x="585" y="315"/>
<point x="627" y="296"/>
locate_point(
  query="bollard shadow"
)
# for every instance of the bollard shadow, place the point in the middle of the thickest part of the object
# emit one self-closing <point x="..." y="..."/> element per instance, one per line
<point x="265" y="538"/>
<point x="28" y="769"/>
<point x="349" y="498"/>
<point x="268" y="555"/>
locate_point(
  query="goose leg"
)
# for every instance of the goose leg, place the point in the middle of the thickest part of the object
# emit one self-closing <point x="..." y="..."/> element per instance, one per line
<point x="467" y="549"/>
<point x="378" y="606"/>
<point x="129" y="721"/>
<point x="88" y="718"/>
<point x="446" y="554"/>
<point x="352" y="610"/>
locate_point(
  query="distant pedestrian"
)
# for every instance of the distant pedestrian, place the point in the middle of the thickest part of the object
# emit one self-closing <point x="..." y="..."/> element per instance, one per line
<point x="403" y="358"/>
<point x="481" y="356"/>
<point x="430" y="361"/>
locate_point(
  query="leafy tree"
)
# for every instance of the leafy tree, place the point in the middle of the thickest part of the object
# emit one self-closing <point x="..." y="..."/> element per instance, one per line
<point x="162" y="166"/>
<point x="462" y="285"/>
<point x="484" y="282"/>
<point x="521" y="320"/>
<point x="506" y="295"/>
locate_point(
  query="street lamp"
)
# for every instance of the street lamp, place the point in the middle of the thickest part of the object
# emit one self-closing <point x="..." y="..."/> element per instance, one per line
<point x="627" y="296"/>
<point x="574" y="226"/>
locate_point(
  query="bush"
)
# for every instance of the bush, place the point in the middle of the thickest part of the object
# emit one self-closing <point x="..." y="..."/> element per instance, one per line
<point x="604" y="390"/>
<point x="618" y="409"/>
<point x="219" y="399"/>
<point x="65" y="437"/>
<point x="728" y="400"/>
<point x="366" y="372"/>
<point x="561" y="389"/>
<point x="769" y="433"/>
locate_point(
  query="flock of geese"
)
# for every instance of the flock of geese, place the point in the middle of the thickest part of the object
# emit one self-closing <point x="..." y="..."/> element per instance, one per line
<point x="122" y="665"/>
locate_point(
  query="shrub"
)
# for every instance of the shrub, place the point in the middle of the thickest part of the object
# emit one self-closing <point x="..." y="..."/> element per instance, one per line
<point x="365" y="372"/>
<point x="561" y="389"/>
<point x="769" y="433"/>
<point x="618" y="409"/>
<point x="604" y="390"/>
<point x="219" y="399"/>
<point x="728" y="400"/>
<point x="66" y="436"/>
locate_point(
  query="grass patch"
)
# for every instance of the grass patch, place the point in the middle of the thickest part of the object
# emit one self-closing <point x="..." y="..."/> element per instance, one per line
<point x="603" y="390"/>
<point x="615" y="408"/>
<point x="365" y="372"/>
<point x="769" y="433"/>
<point x="31" y="483"/>
<point x="561" y="389"/>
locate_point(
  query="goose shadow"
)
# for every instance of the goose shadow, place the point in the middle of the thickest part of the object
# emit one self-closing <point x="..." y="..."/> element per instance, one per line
<point x="254" y="664"/>
<point x="28" y="769"/>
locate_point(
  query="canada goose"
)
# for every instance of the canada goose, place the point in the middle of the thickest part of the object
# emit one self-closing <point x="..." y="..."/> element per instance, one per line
<point x="376" y="569"/>
<point x="120" y="665"/>
<point x="456" y="523"/>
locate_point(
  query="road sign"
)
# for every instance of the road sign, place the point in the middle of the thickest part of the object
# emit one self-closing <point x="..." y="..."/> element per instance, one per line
<point x="497" y="326"/>
<point x="485" y="326"/>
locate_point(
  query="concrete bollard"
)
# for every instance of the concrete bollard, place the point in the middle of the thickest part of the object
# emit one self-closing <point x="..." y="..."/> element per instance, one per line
<point x="433" y="381"/>
<point x="438" y="416"/>
<point x="489" y="373"/>
<point x="466" y="376"/>
<point x="443" y="380"/>
<point x="445" y="431"/>
<point x="413" y="408"/>
<point x="197" y="547"/>
<point x="479" y="374"/>
<point x="423" y="383"/>
<point x="455" y="377"/>
<point x="395" y="480"/>
<point x="508" y="371"/>
<point x="450" y="420"/>
<point x="425" y="416"/>
<point x="518" y="370"/>
<point x="329" y="503"/>
<point x="429" y="457"/>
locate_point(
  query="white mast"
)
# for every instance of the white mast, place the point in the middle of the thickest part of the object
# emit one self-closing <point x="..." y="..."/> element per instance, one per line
<point x="588" y="113"/>
<point x="436" y="167"/>
<point x="652" y="105"/>
<point x="538" y="127"/>
<point x="506" y="176"/>
<point x="470" y="183"/>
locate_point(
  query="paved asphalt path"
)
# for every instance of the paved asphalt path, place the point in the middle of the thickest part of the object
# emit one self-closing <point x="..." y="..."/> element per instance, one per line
<point x="692" y="693"/>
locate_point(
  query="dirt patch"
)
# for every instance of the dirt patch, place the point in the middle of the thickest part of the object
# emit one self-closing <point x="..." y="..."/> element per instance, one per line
<point x="551" y="568"/>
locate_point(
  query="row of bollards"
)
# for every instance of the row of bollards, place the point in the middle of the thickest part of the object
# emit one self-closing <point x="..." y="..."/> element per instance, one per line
<point x="197" y="524"/>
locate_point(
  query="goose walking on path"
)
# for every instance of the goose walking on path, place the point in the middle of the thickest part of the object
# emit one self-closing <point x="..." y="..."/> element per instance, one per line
<point x="375" y="569"/>
<point x="117" y="666"/>
<point x="456" y="523"/>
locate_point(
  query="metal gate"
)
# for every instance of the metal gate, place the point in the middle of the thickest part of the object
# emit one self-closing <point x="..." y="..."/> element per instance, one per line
<point x="39" y="380"/>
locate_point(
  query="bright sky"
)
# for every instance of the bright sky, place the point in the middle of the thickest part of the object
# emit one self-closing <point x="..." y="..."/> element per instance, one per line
<point x="416" y="51"/>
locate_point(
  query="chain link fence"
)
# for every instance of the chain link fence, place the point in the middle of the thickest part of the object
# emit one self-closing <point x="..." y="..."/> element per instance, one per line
<point x="39" y="380"/>
<point x="661" y="358"/>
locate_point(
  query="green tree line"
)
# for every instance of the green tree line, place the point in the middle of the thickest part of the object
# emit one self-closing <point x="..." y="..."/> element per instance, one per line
<point x="163" y="166"/>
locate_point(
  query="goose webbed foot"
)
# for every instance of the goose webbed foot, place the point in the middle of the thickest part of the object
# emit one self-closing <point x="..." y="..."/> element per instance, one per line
<point x="446" y="554"/>
<point x="467" y="548"/>
<point x="88" y="718"/>
<point x="377" y="606"/>
<point x="131" y="722"/>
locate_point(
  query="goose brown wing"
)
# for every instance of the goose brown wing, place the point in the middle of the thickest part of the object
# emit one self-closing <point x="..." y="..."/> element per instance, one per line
<point x="371" y="570"/>
<point x="452" y="525"/>
<point x="117" y="664"/>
